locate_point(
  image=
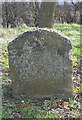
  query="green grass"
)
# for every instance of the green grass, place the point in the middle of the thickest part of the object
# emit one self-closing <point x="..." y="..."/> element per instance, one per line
<point x="43" y="109"/>
<point x="7" y="35"/>
<point x="79" y="90"/>
<point x="73" y="32"/>
<point x="37" y="111"/>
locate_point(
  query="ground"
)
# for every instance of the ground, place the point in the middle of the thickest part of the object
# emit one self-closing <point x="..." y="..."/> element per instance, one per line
<point x="21" y="107"/>
<point x="11" y="103"/>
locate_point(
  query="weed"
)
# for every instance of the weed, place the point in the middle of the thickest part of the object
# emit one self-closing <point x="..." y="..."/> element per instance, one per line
<point x="35" y="111"/>
<point x="78" y="90"/>
<point x="5" y="112"/>
<point x="7" y="90"/>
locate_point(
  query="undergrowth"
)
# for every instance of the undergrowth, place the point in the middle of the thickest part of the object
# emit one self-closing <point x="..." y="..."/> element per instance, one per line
<point x="40" y="110"/>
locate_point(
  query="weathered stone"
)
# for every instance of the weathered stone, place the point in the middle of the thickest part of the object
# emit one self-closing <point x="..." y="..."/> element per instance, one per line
<point x="40" y="63"/>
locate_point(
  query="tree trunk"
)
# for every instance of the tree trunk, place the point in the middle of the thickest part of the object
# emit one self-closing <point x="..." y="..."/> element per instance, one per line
<point x="36" y="13"/>
<point x="46" y="14"/>
<point x="80" y="13"/>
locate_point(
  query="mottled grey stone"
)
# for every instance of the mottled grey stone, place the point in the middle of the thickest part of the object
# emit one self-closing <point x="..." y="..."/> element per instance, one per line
<point x="40" y="63"/>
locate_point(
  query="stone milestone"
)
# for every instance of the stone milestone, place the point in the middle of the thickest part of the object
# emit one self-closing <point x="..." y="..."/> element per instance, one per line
<point x="40" y="63"/>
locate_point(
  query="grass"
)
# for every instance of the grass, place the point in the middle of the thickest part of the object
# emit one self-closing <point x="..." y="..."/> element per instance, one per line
<point x="73" y="32"/>
<point x="79" y="90"/>
<point x="41" y="110"/>
<point x="34" y="109"/>
<point x="7" y="35"/>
